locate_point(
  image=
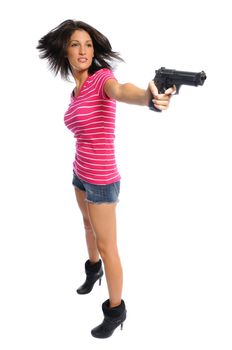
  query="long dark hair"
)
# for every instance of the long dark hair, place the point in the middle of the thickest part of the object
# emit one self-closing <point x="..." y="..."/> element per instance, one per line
<point x="53" y="47"/>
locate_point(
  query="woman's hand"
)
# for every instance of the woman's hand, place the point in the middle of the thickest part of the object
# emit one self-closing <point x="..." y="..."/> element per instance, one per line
<point x="161" y="101"/>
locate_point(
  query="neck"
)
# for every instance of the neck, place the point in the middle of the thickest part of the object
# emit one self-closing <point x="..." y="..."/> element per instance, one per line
<point x="79" y="77"/>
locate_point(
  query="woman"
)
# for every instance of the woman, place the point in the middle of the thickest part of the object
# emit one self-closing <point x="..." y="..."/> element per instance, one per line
<point x="77" y="49"/>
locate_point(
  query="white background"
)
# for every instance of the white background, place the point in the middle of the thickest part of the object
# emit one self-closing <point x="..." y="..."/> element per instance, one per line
<point x="174" y="216"/>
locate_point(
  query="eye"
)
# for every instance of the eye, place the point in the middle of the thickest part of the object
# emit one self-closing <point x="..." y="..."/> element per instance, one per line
<point x="74" y="44"/>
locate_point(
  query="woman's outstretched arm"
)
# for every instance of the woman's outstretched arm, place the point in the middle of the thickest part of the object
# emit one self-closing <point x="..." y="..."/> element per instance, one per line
<point x="132" y="94"/>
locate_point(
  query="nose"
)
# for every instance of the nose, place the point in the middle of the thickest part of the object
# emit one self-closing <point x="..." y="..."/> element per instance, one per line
<point x="82" y="50"/>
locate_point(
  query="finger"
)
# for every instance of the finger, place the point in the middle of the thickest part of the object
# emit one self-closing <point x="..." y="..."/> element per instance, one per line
<point x="161" y="103"/>
<point x="162" y="108"/>
<point x="153" y="88"/>
<point x="171" y="90"/>
<point x="161" y="97"/>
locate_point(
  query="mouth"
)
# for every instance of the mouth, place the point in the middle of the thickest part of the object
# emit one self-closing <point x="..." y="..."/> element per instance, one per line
<point x="82" y="60"/>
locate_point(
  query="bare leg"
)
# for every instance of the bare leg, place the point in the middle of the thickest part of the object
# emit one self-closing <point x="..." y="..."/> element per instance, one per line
<point x="103" y="221"/>
<point x="89" y="234"/>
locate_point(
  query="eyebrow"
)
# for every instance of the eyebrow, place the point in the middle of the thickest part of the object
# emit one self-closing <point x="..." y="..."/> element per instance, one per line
<point x="79" y="41"/>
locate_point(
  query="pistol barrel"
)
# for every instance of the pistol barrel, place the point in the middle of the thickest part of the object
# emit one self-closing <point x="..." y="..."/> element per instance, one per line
<point x="180" y="77"/>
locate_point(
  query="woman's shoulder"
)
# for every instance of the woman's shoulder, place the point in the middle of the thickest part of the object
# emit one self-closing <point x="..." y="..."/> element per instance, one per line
<point x="103" y="71"/>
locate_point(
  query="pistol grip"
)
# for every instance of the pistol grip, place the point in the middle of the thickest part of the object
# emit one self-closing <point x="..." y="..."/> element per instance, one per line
<point x="153" y="108"/>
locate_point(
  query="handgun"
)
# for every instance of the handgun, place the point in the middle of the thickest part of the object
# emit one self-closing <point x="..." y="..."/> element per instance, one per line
<point x="166" y="78"/>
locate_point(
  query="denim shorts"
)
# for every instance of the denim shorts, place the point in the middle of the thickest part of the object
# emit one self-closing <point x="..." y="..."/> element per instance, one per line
<point x="98" y="194"/>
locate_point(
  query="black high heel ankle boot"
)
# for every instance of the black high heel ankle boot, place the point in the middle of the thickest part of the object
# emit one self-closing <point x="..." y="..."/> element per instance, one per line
<point x="113" y="317"/>
<point x="93" y="272"/>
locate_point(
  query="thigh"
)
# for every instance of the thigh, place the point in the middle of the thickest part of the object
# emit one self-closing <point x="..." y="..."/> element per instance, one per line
<point x="103" y="221"/>
<point x="81" y="200"/>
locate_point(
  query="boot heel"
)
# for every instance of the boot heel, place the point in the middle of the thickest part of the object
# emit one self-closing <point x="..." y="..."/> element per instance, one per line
<point x="121" y="326"/>
<point x="100" y="281"/>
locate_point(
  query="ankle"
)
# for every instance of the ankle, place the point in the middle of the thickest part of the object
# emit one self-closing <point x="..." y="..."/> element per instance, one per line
<point x="93" y="267"/>
<point x="113" y="304"/>
<point x="115" y="311"/>
<point x="93" y="261"/>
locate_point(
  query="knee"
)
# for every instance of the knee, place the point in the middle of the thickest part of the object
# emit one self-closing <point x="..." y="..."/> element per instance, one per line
<point x="87" y="225"/>
<point x="106" y="249"/>
<point x="101" y="248"/>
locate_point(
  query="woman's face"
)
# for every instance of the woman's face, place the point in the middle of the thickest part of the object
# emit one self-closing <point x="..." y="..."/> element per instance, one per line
<point x="80" y="51"/>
